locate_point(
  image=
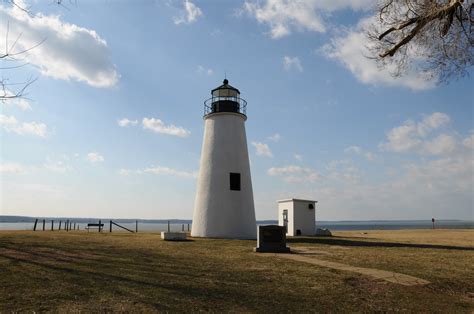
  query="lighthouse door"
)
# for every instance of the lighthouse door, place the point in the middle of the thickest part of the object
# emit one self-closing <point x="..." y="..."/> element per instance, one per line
<point x="285" y="220"/>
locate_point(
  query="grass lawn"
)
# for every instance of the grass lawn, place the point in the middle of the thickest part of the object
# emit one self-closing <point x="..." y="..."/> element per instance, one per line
<point x="80" y="271"/>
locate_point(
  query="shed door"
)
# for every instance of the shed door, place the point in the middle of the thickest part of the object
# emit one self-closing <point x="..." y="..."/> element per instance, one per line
<point x="285" y="220"/>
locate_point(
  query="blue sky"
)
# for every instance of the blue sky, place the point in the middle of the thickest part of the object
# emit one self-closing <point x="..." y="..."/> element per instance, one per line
<point x="113" y="125"/>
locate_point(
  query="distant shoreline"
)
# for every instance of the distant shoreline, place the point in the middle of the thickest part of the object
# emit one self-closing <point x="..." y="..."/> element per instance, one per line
<point x="150" y="225"/>
<point x="11" y="218"/>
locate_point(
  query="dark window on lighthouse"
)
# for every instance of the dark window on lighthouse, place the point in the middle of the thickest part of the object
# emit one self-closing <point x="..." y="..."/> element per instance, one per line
<point x="235" y="181"/>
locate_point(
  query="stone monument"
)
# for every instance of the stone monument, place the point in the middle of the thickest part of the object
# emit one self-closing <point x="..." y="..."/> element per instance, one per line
<point x="271" y="239"/>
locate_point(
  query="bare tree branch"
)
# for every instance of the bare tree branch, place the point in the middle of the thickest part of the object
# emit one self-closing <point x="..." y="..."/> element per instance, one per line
<point x="9" y="90"/>
<point x="433" y="35"/>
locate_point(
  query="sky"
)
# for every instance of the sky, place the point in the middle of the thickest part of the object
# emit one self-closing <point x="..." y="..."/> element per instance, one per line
<point x="112" y="125"/>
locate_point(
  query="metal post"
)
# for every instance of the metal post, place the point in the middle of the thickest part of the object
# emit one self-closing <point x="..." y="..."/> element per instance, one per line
<point x="67" y="225"/>
<point x="100" y="228"/>
<point x="60" y="224"/>
<point x="52" y="225"/>
<point x="44" y="223"/>
<point x="111" y="226"/>
<point x="34" y="227"/>
<point x="136" y="226"/>
<point x="168" y="226"/>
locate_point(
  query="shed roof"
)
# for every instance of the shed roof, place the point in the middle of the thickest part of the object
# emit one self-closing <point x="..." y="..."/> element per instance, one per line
<point x="296" y="200"/>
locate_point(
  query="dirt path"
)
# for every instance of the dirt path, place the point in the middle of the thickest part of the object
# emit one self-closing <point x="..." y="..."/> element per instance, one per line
<point x="308" y="256"/>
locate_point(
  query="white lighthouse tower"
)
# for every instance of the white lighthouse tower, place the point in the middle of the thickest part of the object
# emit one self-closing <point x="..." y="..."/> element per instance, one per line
<point x="224" y="206"/>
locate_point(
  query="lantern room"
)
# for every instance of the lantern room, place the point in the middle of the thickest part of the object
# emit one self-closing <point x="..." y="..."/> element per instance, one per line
<point x="225" y="98"/>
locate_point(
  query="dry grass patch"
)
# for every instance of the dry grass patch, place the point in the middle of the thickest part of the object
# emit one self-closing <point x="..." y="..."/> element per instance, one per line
<point x="78" y="271"/>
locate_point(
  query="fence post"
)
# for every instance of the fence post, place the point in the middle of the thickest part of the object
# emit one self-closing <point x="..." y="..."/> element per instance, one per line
<point x="36" y="222"/>
<point x="182" y="227"/>
<point x="44" y="222"/>
<point x="67" y="225"/>
<point x="74" y="226"/>
<point x="136" y="226"/>
<point x="60" y="224"/>
<point x="168" y="226"/>
<point x="100" y="223"/>
<point x="111" y="226"/>
<point x="188" y="227"/>
<point x="52" y="225"/>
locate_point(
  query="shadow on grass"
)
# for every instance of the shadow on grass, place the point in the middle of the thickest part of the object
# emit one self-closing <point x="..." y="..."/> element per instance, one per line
<point x="116" y="281"/>
<point x="359" y="243"/>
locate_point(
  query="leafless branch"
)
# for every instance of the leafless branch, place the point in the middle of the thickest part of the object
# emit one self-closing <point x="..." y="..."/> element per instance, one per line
<point x="10" y="90"/>
<point x="434" y="35"/>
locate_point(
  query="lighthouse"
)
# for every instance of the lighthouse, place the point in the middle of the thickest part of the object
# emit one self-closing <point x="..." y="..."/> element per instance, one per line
<point x="224" y="206"/>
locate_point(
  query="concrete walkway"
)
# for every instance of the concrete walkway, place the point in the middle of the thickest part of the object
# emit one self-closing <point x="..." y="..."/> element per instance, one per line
<point x="307" y="256"/>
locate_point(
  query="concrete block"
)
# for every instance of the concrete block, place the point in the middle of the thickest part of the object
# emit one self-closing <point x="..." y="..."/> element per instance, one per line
<point x="173" y="236"/>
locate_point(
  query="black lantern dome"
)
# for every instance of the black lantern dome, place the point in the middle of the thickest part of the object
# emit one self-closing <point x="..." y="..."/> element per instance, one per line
<point x="225" y="98"/>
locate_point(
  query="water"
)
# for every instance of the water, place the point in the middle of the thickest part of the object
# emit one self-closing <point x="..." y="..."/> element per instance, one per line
<point x="395" y="225"/>
<point x="331" y="225"/>
<point x="142" y="226"/>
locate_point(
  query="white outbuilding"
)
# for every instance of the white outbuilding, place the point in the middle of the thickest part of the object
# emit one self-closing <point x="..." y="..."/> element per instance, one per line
<point x="224" y="206"/>
<point x="298" y="216"/>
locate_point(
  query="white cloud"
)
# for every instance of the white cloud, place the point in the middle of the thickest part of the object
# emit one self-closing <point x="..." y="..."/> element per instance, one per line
<point x="189" y="14"/>
<point x="295" y="174"/>
<point x="58" y="166"/>
<point x="126" y="122"/>
<point x="275" y="137"/>
<point x="292" y="63"/>
<point x="126" y="172"/>
<point x="351" y="49"/>
<point x="11" y="125"/>
<point x="403" y="138"/>
<point x="160" y="171"/>
<point x="170" y="171"/>
<point x="12" y="167"/>
<point x="441" y="188"/>
<point x="66" y="52"/>
<point x="419" y="187"/>
<point x="360" y="151"/>
<point x="410" y="136"/>
<point x="353" y="149"/>
<point x="469" y="142"/>
<point x="298" y="157"/>
<point x="370" y="156"/>
<point x="432" y="122"/>
<point x="342" y="171"/>
<point x="203" y="70"/>
<point x="441" y="145"/>
<point x="157" y="126"/>
<point x="262" y="149"/>
<point x="285" y="16"/>
<point x="95" y="157"/>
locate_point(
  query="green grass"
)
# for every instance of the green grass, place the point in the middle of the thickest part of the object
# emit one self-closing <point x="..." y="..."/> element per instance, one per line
<point x="78" y="271"/>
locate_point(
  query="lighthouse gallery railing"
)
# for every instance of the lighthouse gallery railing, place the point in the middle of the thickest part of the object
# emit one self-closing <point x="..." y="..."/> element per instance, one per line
<point x="211" y="105"/>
